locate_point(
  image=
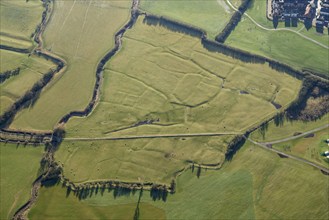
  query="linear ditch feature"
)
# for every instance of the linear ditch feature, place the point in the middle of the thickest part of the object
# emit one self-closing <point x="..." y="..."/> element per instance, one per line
<point x="100" y="67"/>
<point x="18" y="136"/>
<point x="51" y="170"/>
<point x="32" y="95"/>
<point x="53" y="167"/>
<point x="8" y="74"/>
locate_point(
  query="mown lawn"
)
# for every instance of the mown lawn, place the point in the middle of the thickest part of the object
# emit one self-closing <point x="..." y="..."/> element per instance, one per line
<point x="170" y="79"/>
<point x="19" y="167"/>
<point x="256" y="184"/>
<point x="278" y="44"/>
<point x="19" y="20"/>
<point x="31" y="70"/>
<point x="81" y="32"/>
<point x="210" y="15"/>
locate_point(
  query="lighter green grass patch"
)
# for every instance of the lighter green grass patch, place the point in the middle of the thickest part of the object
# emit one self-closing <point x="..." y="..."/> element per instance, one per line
<point x="211" y="15"/>
<point x="278" y="44"/>
<point x="257" y="184"/>
<point x="19" y="167"/>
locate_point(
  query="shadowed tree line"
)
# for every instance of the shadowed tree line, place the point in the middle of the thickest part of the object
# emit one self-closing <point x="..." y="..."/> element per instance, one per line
<point x="263" y="128"/>
<point x="24" y="137"/>
<point x="85" y="190"/>
<point x="100" y="68"/>
<point x="234" y="21"/>
<point x="215" y="46"/>
<point x="36" y="34"/>
<point x="30" y="97"/>
<point x="137" y="211"/>
<point x="14" y="49"/>
<point x="159" y="192"/>
<point x="48" y="166"/>
<point x="198" y="169"/>
<point x="232" y="148"/>
<point x="173" y="25"/>
<point x="27" y="100"/>
<point x="9" y="73"/>
<point x="312" y="86"/>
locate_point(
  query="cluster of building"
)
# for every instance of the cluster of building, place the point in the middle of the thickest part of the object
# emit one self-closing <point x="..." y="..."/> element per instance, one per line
<point x="322" y="15"/>
<point x="311" y="12"/>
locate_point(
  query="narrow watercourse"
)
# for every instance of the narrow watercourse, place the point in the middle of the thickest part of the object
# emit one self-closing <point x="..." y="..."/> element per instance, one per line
<point x="209" y="44"/>
<point x="49" y="166"/>
<point x="31" y="96"/>
<point x="100" y="67"/>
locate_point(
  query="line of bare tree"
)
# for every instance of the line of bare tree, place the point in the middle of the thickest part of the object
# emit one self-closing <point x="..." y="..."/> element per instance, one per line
<point x="234" y="21"/>
<point x="9" y="73"/>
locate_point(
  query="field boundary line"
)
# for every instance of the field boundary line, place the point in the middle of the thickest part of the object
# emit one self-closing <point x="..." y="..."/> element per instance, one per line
<point x="297" y="136"/>
<point x="152" y="136"/>
<point x="267" y="146"/>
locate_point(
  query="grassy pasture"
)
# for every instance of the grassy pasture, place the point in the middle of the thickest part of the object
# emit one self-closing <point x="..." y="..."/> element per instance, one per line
<point x="19" y="167"/>
<point x="274" y="132"/>
<point x="31" y="70"/>
<point x="257" y="184"/>
<point x="210" y="15"/>
<point x="170" y="78"/>
<point x="102" y="207"/>
<point x="81" y="32"/>
<point x="309" y="148"/>
<point x="19" y="19"/>
<point x="141" y="160"/>
<point x="278" y="44"/>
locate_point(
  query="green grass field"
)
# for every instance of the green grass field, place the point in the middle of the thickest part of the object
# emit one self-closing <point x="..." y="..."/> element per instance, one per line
<point x="19" y="167"/>
<point x="170" y="78"/>
<point x="142" y="160"/>
<point x="19" y="20"/>
<point x="278" y="44"/>
<point x="309" y="148"/>
<point x="161" y="83"/>
<point x="210" y="15"/>
<point x="81" y="32"/>
<point x="31" y="70"/>
<point x="274" y="132"/>
<point x="257" y="184"/>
